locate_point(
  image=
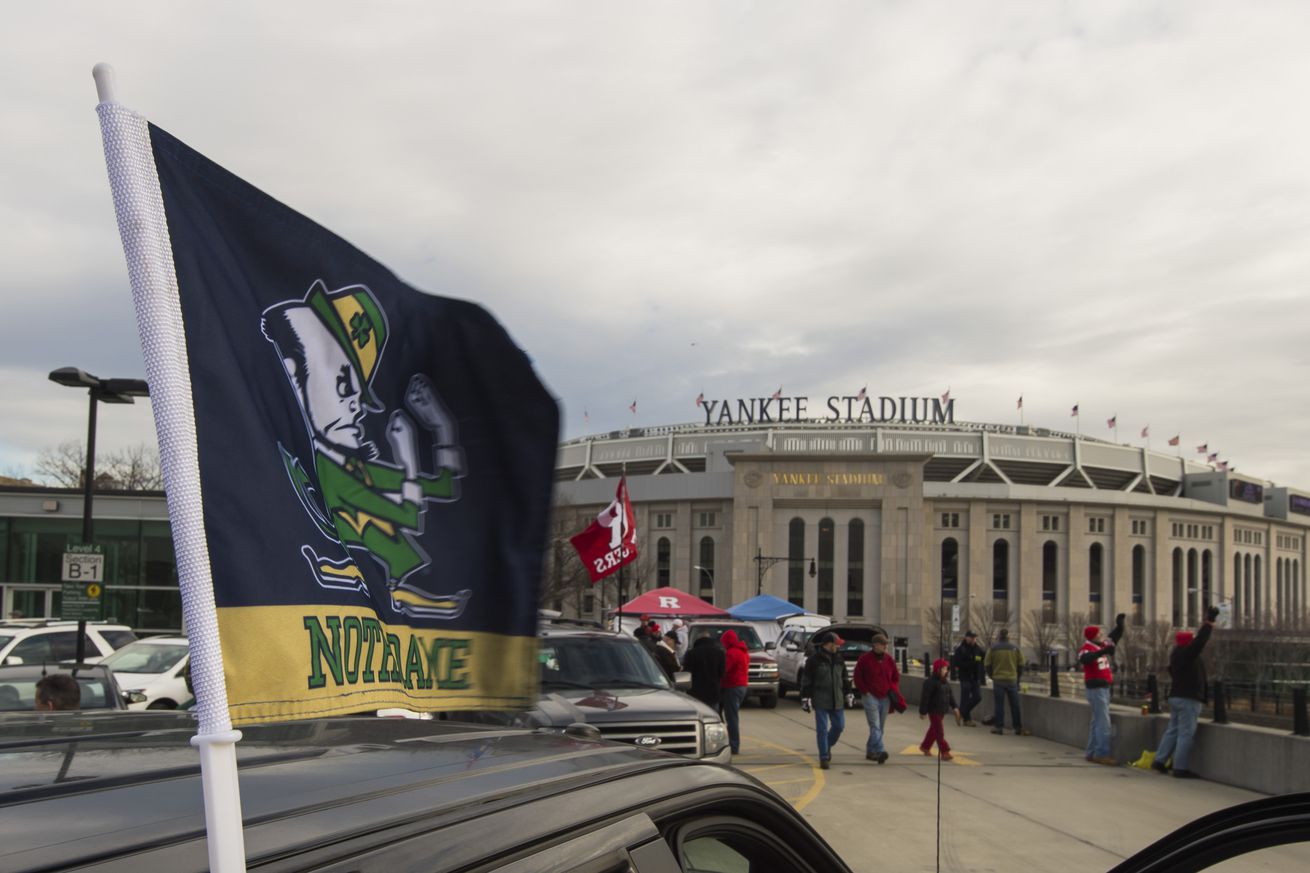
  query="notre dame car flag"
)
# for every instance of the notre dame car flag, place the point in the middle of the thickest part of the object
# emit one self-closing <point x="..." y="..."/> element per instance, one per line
<point x="367" y="477"/>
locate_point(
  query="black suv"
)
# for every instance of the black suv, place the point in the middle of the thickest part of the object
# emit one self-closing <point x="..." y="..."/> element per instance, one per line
<point x="351" y="795"/>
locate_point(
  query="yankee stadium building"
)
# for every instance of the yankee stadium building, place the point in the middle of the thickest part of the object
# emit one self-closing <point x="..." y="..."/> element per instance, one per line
<point x="886" y="510"/>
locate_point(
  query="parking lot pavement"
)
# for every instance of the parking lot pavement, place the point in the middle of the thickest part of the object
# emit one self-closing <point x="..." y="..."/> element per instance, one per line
<point x="1009" y="804"/>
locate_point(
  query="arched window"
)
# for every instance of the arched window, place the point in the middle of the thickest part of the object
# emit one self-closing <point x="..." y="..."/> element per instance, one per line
<point x="1139" y="585"/>
<point x="663" y="553"/>
<point x="1095" y="559"/>
<point x="855" y="568"/>
<point x="1238" y="602"/>
<point x="1180" y="590"/>
<point x="1258" y="585"/>
<point x="1248" y="610"/>
<point x="706" y="569"/>
<point x="1207" y="582"/>
<point x="1192" y="590"/>
<point x="827" y="546"/>
<point x="1001" y="581"/>
<point x="1050" y="581"/>
<point x="950" y="569"/>
<point x="1278" y="603"/>
<point x="1298" y="594"/>
<point x="796" y="561"/>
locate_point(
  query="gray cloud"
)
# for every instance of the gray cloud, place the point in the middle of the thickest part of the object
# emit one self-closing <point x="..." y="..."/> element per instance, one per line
<point x="1100" y="203"/>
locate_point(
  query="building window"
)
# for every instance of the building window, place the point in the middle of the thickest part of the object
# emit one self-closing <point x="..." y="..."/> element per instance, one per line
<point x="950" y="569"/>
<point x="1139" y="585"/>
<point x="705" y="569"/>
<point x="663" y="520"/>
<point x="1050" y="581"/>
<point x="1051" y="522"/>
<point x="796" y="561"/>
<point x="827" y="541"/>
<point x="588" y="604"/>
<point x="855" y="568"/>
<point x="707" y="519"/>
<point x="1001" y="521"/>
<point x="950" y="519"/>
<point x="1096" y="525"/>
<point x="1139" y="527"/>
<point x="1001" y="581"/>
<point x="1095" y="560"/>
<point x="1191" y="588"/>
<point x="1180" y="590"/>
<point x="663" y="554"/>
<point x="1207" y="583"/>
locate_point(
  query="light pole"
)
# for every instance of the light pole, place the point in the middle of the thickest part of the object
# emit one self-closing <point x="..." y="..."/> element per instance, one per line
<point x="764" y="562"/>
<point x="708" y="572"/>
<point x="99" y="390"/>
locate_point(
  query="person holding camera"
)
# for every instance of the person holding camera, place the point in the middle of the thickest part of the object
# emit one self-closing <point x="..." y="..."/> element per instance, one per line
<point x="1187" y="695"/>
<point x="1096" y="657"/>
<point x="824" y="690"/>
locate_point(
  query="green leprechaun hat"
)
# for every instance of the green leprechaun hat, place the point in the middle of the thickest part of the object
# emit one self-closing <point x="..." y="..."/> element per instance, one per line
<point x="354" y="318"/>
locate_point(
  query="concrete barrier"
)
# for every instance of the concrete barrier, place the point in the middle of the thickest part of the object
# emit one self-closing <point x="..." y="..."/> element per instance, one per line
<point x="1259" y="759"/>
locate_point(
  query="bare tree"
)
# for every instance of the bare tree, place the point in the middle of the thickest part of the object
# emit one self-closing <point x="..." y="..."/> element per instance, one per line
<point x="986" y="621"/>
<point x="1040" y="635"/>
<point x="1071" y="634"/>
<point x="135" y="468"/>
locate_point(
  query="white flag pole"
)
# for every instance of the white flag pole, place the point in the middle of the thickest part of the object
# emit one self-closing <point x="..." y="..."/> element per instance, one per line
<point x="143" y="227"/>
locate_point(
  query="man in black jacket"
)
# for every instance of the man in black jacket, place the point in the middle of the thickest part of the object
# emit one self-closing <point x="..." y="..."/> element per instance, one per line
<point x="705" y="662"/>
<point x="826" y="689"/>
<point x="967" y="661"/>
<point x="1186" y="697"/>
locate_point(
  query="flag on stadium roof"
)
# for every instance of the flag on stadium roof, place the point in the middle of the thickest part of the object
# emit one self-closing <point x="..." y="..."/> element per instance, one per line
<point x="1073" y="411"/>
<point x="863" y="393"/>
<point x="1212" y="457"/>
<point x="700" y="399"/>
<point x="1176" y="439"/>
<point x="776" y="395"/>
<point x="1202" y="448"/>
<point x="1020" y="404"/>
<point x="1112" y="421"/>
<point x="1146" y="431"/>
<point x="633" y="407"/>
<point x="946" y="398"/>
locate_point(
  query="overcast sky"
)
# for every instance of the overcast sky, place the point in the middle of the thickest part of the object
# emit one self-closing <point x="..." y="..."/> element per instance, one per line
<point x="1097" y="203"/>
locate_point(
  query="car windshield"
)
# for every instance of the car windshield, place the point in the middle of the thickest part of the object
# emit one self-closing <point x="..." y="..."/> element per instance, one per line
<point x="144" y="657"/>
<point x="5" y="639"/>
<point x="745" y="633"/>
<point x="594" y="661"/>
<point x="18" y="694"/>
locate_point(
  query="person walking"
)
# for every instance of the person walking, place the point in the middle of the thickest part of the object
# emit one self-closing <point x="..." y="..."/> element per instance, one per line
<point x="936" y="700"/>
<point x="736" y="666"/>
<point x="967" y="660"/>
<point x="1004" y="663"/>
<point x="1097" y="656"/>
<point x="1187" y="695"/>
<point x="876" y="677"/>
<point x="826" y="690"/>
<point x="705" y="662"/>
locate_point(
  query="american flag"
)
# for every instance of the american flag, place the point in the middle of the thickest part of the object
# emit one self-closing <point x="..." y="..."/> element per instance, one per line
<point x="1222" y="465"/>
<point x="864" y="392"/>
<point x="946" y="398"/>
<point x="1202" y="448"/>
<point x="700" y="399"/>
<point x="776" y="395"/>
<point x="1073" y="412"/>
<point x="1020" y="405"/>
<point x="1176" y="440"/>
<point x="1146" y="431"/>
<point x="586" y="417"/>
<point x="633" y="407"/>
<point x="1212" y="457"/>
<point x="1112" y="422"/>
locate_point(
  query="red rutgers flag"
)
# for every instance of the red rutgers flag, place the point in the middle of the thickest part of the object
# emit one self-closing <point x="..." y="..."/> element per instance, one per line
<point x="610" y="541"/>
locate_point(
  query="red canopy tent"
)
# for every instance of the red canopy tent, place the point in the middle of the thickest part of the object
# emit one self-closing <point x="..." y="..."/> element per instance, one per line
<point x="672" y="603"/>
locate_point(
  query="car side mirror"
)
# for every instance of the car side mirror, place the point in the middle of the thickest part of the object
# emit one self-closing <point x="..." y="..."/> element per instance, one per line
<point x="13" y="659"/>
<point x="770" y="646"/>
<point x="682" y="680"/>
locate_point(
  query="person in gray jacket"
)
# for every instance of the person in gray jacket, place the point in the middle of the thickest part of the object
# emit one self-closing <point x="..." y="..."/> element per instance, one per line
<point x="826" y="689"/>
<point x="1004" y="664"/>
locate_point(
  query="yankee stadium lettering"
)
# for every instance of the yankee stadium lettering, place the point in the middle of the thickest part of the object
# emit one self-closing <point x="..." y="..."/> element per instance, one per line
<point x="361" y="651"/>
<point x="850" y="409"/>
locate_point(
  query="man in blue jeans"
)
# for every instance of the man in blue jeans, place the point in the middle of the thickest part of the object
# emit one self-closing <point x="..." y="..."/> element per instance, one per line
<point x="826" y="690"/>
<point x="1098" y="675"/>
<point x="1186" y="697"/>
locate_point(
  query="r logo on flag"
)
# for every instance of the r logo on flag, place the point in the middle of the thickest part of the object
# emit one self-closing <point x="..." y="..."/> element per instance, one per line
<point x="331" y="344"/>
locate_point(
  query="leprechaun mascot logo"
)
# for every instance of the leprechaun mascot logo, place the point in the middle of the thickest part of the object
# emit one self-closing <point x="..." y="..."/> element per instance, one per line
<point x="331" y="343"/>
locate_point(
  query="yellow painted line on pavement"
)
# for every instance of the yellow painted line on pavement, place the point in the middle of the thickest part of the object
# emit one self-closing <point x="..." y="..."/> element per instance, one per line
<point x="786" y="781"/>
<point x="760" y="768"/>
<point x="956" y="757"/>
<point x="805" y="799"/>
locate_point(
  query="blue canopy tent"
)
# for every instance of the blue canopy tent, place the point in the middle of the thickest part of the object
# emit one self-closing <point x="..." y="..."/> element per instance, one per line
<point x="764" y="613"/>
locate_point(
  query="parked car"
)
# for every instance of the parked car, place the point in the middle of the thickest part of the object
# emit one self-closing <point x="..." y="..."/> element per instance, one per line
<point x="37" y="641"/>
<point x="152" y="672"/>
<point x="611" y="682"/>
<point x="762" y="672"/>
<point x="795" y="647"/>
<point x="18" y="686"/>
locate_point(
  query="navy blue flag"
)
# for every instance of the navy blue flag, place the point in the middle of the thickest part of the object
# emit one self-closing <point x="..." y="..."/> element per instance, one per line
<point x="375" y="462"/>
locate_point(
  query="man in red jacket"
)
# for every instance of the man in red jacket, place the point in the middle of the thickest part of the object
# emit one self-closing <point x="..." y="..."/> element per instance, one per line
<point x="876" y="677"/>
<point x="736" y="666"/>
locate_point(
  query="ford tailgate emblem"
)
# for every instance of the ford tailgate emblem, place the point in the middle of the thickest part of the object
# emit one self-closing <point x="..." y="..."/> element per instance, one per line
<point x="647" y="742"/>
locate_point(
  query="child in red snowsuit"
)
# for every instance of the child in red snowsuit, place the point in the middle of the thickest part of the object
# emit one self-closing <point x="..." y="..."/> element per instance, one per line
<point x="936" y="700"/>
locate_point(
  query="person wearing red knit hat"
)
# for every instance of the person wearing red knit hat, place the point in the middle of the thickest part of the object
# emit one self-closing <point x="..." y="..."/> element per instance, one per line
<point x="1186" y="697"/>
<point x="1098" y="675"/>
<point x="935" y="700"/>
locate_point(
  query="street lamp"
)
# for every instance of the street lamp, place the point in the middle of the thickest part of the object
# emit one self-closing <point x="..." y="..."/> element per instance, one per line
<point x="709" y="572"/>
<point x="106" y="391"/>
<point x="764" y="562"/>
